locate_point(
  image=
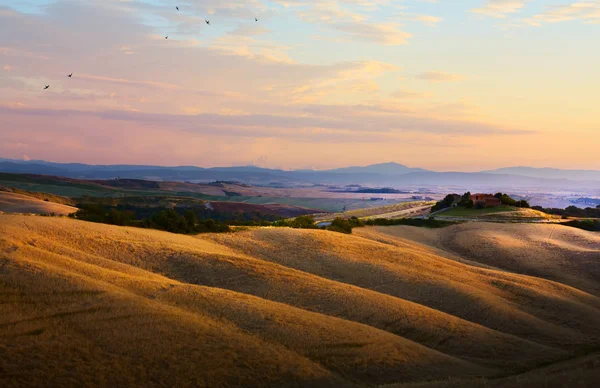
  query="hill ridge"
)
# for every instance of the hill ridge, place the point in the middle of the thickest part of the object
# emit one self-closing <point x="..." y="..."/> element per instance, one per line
<point x="357" y="335"/>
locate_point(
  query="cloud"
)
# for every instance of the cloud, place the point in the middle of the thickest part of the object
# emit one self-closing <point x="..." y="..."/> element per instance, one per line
<point x="213" y="96"/>
<point x="408" y="94"/>
<point x="587" y="11"/>
<point x="428" y="20"/>
<point x="352" y="25"/>
<point x="383" y="33"/>
<point x="437" y="76"/>
<point x="373" y="120"/>
<point x="500" y="8"/>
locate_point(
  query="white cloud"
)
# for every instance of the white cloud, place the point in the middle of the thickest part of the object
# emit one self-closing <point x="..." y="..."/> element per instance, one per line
<point x="500" y="8"/>
<point x="587" y="11"/>
<point x="438" y="76"/>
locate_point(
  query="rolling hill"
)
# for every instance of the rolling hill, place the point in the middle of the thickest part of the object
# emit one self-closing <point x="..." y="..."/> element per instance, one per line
<point x="20" y="203"/>
<point x="87" y="304"/>
<point x="551" y="251"/>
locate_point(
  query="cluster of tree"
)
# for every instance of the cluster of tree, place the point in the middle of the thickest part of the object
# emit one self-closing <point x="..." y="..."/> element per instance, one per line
<point x="301" y="222"/>
<point x="168" y="220"/>
<point x="591" y="225"/>
<point x="465" y="201"/>
<point x="105" y="215"/>
<point x="572" y="211"/>
<point x="146" y="207"/>
<point x="171" y="221"/>
<point x="507" y="200"/>
<point x="451" y="199"/>
<point x="342" y="225"/>
<point x="420" y="222"/>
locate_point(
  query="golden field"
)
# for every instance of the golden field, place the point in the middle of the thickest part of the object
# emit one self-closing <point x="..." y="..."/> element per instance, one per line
<point x="21" y="203"/>
<point x="85" y="304"/>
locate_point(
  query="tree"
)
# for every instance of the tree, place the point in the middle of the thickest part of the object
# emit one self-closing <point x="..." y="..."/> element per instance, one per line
<point x="464" y="199"/>
<point x="340" y="225"/>
<point x="303" y="222"/>
<point x="191" y="218"/>
<point x="444" y="203"/>
<point x="506" y="200"/>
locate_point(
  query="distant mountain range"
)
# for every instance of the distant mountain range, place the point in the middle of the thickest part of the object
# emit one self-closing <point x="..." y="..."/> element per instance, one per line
<point x="385" y="174"/>
<point x="549" y="173"/>
<point x="382" y="168"/>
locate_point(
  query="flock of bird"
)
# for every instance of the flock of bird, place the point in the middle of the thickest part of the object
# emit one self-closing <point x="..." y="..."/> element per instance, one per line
<point x="166" y="37"/>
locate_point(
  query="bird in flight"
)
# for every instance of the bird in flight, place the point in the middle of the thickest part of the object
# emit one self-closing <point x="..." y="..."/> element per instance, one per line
<point x="255" y="19"/>
<point x="167" y="37"/>
<point x="70" y="75"/>
<point x="177" y="7"/>
<point x="46" y="87"/>
<point x="207" y="21"/>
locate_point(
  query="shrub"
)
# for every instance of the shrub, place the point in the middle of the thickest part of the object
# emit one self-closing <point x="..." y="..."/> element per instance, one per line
<point x="340" y="225"/>
<point x="591" y="225"/>
<point x="420" y="222"/>
<point x="444" y="203"/>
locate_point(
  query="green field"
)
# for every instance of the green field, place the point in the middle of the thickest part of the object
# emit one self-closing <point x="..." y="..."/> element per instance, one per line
<point x="460" y="211"/>
<point x="80" y="189"/>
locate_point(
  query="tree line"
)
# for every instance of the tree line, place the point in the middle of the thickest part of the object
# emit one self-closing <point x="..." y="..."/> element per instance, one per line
<point x="572" y="211"/>
<point x="466" y="201"/>
<point x="168" y="219"/>
<point x="186" y="222"/>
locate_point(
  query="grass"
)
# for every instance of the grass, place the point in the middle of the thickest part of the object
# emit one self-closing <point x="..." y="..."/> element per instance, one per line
<point x="11" y="202"/>
<point x="86" y="304"/>
<point x="42" y="196"/>
<point x="78" y="189"/>
<point x="552" y="251"/>
<point x="500" y="213"/>
<point x="460" y="211"/>
<point x="389" y="211"/>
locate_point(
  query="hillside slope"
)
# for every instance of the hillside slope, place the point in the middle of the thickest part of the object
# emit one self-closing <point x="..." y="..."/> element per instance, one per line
<point x="84" y="303"/>
<point x="19" y="203"/>
<point x="551" y="251"/>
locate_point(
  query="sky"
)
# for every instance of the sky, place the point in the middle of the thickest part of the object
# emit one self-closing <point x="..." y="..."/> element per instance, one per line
<point x="443" y="85"/>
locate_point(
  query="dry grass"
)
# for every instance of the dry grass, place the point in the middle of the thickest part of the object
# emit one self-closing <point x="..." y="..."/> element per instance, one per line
<point x="499" y="213"/>
<point x="20" y="203"/>
<point x="43" y="196"/>
<point x="551" y="251"/>
<point x="579" y="372"/>
<point x="90" y="304"/>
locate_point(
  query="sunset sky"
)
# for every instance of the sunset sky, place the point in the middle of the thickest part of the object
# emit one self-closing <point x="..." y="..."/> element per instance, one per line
<point x="444" y="85"/>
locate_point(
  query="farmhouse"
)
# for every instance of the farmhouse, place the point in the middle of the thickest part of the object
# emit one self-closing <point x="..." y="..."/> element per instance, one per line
<point x="485" y="200"/>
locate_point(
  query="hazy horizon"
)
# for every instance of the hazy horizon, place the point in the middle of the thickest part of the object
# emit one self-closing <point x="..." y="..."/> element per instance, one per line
<point x="463" y="86"/>
<point x="277" y="168"/>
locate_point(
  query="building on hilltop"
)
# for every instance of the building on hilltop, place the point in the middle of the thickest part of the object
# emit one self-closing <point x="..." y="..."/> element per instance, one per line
<point x="485" y="200"/>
